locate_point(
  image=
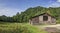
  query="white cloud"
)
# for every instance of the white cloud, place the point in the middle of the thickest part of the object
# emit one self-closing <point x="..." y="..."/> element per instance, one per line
<point x="58" y="0"/>
<point x="56" y="4"/>
<point x="8" y="11"/>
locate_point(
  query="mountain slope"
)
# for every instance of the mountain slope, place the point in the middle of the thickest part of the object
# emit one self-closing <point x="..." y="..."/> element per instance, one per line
<point x="31" y="12"/>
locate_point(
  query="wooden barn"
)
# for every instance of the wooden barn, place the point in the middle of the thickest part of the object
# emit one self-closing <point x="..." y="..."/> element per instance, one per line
<point x="44" y="18"/>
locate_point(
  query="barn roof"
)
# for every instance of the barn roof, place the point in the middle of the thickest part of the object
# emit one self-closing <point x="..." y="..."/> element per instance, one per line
<point x="42" y="14"/>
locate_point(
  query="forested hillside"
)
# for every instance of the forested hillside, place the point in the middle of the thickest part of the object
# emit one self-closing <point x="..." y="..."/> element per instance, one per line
<point x="33" y="11"/>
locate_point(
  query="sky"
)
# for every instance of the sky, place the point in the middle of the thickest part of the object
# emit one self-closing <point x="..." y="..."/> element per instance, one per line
<point x="11" y="7"/>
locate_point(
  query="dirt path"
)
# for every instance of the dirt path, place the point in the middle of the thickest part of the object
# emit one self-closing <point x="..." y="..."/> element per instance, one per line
<point x="56" y="26"/>
<point x="50" y="28"/>
<point x="43" y="26"/>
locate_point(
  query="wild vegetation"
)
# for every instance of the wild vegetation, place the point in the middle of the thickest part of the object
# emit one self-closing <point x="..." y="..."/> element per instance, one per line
<point x="31" y="12"/>
<point x="19" y="28"/>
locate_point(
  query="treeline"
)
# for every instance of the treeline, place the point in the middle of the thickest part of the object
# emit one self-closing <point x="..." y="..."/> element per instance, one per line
<point x="4" y="18"/>
<point x="31" y="12"/>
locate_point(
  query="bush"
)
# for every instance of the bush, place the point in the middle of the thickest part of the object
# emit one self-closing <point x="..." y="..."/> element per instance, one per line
<point x="58" y="21"/>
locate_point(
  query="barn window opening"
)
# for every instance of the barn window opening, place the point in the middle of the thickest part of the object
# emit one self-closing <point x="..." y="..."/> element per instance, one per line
<point x="45" y="18"/>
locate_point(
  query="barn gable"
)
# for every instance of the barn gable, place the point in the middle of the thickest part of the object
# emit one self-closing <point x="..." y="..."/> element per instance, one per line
<point x="43" y="14"/>
<point x="44" y="18"/>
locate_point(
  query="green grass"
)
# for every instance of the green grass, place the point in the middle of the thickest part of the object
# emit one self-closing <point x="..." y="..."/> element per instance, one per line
<point x="19" y="28"/>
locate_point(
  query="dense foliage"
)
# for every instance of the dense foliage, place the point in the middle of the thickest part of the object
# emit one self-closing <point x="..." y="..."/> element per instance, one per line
<point x="31" y="12"/>
<point x="4" y="18"/>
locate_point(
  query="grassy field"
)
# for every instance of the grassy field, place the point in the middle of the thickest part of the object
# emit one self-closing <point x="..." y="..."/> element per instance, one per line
<point x="19" y="28"/>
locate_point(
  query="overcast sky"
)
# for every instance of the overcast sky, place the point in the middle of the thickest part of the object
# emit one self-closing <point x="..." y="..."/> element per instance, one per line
<point x="11" y="7"/>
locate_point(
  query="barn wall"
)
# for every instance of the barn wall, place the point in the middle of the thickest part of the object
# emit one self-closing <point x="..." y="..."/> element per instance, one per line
<point x="39" y="20"/>
<point x="44" y="22"/>
<point x="50" y="20"/>
<point x="35" y="20"/>
<point x="53" y="20"/>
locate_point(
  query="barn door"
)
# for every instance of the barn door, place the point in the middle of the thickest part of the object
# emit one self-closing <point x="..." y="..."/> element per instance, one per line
<point x="45" y="18"/>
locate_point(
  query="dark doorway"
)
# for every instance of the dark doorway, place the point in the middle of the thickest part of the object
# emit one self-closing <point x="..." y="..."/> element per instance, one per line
<point x="45" y="18"/>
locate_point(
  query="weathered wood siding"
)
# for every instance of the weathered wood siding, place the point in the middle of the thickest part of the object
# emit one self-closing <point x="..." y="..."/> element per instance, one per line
<point x="44" y="22"/>
<point x="53" y="20"/>
<point x="39" y="20"/>
<point x="50" y="20"/>
<point x="34" y="20"/>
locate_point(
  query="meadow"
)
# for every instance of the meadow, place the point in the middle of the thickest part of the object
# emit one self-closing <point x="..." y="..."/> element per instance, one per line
<point x="19" y="28"/>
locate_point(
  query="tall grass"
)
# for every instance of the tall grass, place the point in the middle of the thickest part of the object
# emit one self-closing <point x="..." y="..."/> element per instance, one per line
<point x="19" y="28"/>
